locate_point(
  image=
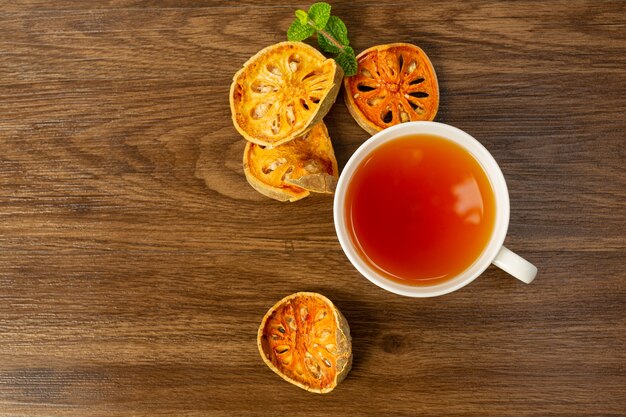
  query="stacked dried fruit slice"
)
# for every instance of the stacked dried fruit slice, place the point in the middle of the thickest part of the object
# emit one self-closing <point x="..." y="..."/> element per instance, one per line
<point x="395" y="83"/>
<point x="306" y="340"/>
<point x="288" y="172"/>
<point x="280" y="96"/>
<point x="282" y="92"/>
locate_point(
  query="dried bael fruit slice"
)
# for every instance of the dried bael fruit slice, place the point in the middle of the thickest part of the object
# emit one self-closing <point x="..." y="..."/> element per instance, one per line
<point x="306" y="340"/>
<point x="288" y="172"/>
<point x="282" y="92"/>
<point x="395" y="83"/>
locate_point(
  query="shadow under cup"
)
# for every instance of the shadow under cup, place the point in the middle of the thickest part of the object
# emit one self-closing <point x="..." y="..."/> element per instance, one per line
<point x="489" y="168"/>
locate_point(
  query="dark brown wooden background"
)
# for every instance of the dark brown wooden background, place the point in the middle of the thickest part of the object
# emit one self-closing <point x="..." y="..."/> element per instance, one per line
<point x="136" y="263"/>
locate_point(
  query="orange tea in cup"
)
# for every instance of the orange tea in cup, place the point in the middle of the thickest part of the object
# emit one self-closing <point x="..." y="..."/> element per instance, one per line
<point x="420" y="209"/>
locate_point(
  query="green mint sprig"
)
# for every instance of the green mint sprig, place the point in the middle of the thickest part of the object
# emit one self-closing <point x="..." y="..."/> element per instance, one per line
<point x="332" y="34"/>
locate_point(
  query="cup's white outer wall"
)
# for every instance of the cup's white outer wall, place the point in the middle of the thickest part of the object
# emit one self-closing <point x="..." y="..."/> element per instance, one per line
<point x="489" y="165"/>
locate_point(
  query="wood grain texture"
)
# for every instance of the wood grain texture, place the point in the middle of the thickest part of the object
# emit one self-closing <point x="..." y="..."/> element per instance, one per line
<point x="136" y="263"/>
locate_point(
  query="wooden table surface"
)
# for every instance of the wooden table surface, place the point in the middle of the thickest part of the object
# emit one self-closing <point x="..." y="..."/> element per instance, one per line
<point x="136" y="262"/>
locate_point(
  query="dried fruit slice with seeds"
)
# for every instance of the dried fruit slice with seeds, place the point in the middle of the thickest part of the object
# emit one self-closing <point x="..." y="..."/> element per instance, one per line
<point x="306" y="340"/>
<point x="395" y="83"/>
<point x="282" y="92"/>
<point x="288" y="172"/>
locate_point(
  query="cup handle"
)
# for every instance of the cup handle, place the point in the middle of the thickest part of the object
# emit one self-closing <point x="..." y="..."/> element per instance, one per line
<point x="515" y="265"/>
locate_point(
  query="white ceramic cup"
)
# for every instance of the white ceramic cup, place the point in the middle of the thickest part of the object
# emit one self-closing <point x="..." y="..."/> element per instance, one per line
<point x="495" y="253"/>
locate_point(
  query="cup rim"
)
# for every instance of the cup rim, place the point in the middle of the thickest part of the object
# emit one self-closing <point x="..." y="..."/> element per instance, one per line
<point x="496" y="179"/>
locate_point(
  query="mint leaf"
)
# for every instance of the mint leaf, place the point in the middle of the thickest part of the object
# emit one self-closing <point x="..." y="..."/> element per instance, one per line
<point x="299" y="32"/>
<point x="347" y="61"/>
<point x="337" y="29"/>
<point x="319" y="13"/>
<point x="332" y="34"/>
<point x="302" y="16"/>
<point x="326" y="45"/>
